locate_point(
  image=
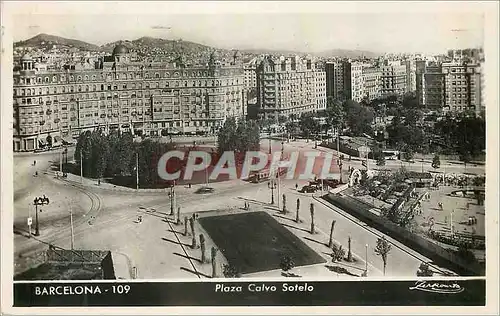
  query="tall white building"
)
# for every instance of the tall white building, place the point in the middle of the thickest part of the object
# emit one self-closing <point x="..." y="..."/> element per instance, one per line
<point x="320" y="88"/>
<point x="289" y="85"/>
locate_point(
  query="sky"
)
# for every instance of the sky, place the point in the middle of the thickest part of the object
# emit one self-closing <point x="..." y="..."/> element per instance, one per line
<point x="321" y="27"/>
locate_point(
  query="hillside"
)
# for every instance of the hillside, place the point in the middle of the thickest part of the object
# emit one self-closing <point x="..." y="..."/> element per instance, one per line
<point x="147" y="46"/>
<point x="46" y="41"/>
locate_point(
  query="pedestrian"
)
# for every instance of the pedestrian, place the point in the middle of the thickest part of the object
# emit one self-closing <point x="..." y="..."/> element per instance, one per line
<point x="296" y="186"/>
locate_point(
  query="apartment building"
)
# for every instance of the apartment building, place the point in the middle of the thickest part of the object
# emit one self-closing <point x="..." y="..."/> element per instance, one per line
<point x="288" y="85"/>
<point x="450" y="86"/>
<point x="336" y="84"/>
<point x="320" y="86"/>
<point x="462" y="86"/>
<point x="250" y="71"/>
<point x="393" y="78"/>
<point x="372" y="82"/>
<point x="117" y="93"/>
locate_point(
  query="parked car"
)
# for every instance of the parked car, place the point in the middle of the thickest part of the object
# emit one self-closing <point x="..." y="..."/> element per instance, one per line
<point x="308" y="189"/>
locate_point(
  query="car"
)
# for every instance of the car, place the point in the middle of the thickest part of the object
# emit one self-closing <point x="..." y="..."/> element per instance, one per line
<point x="308" y="189"/>
<point x="204" y="190"/>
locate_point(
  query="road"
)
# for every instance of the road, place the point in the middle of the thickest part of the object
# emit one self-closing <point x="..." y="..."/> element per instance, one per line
<point x="106" y="219"/>
<point x="304" y="146"/>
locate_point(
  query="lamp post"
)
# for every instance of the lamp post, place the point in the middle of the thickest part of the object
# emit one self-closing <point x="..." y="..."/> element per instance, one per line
<point x="172" y="198"/>
<point x="270" y="143"/>
<point x="339" y="163"/>
<point x="272" y="185"/>
<point x="137" y="171"/>
<point x="39" y="201"/>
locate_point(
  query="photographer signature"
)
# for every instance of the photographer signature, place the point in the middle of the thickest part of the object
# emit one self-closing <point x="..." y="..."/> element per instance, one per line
<point x="437" y="287"/>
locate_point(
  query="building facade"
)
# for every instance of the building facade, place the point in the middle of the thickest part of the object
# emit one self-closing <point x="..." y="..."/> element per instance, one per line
<point x="393" y="78"/>
<point x="371" y="83"/>
<point x="411" y="79"/>
<point x="353" y="72"/>
<point x="250" y="70"/>
<point x="320" y="87"/>
<point x="336" y="85"/>
<point x="287" y="86"/>
<point x="463" y="86"/>
<point x="117" y="93"/>
<point x="450" y="86"/>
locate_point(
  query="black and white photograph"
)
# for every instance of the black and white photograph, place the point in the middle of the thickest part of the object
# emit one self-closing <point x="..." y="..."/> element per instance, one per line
<point x="224" y="154"/>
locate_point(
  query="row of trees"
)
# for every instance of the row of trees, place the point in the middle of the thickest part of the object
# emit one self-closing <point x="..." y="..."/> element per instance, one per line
<point x="464" y="134"/>
<point x="240" y="137"/>
<point x="114" y="154"/>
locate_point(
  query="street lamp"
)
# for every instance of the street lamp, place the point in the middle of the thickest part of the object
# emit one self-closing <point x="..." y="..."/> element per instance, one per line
<point x="339" y="163"/>
<point x="39" y="201"/>
<point x="272" y="185"/>
<point x="270" y="143"/>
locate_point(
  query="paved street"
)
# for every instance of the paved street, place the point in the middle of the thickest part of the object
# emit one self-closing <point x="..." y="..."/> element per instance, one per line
<point x="107" y="219"/>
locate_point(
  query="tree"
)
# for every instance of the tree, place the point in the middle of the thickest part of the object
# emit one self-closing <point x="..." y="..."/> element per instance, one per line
<point x="465" y="252"/>
<point x="424" y="270"/>
<point x="338" y="253"/>
<point x="382" y="249"/>
<point x="230" y="271"/>
<point x="241" y="136"/>
<point x="311" y="209"/>
<point x="358" y="118"/>
<point x="202" y="246"/>
<point x="436" y="162"/>
<point x="284" y="204"/>
<point x="282" y="119"/>
<point x="330" y="241"/>
<point x="408" y="154"/>
<point x="380" y="160"/>
<point x="349" y="253"/>
<point x="308" y="125"/>
<point x="335" y="113"/>
<point x="286" y="263"/>
<point x="191" y="223"/>
<point x="213" y="253"/>
<point x="297" y="219"/>
<point x="49" y="140"/>
<point x="178" y="217"/>
<point x="479" y="197"/>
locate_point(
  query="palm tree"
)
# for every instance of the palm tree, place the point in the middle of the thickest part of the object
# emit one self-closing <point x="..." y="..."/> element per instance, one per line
<point x="286" y="264"/>
<point x="297" y="219"/>
<point x="311" y="209"/>
<point x="202" y="245"/>
<point x="382" y="249"/>
<point x="214" y="267"/>
<point x="330" y="242"/>
<point x="193" y="242"/>
<point x="284" y="204"/>
<point x="230" y="271"/>
<point x="424" y="270"/>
